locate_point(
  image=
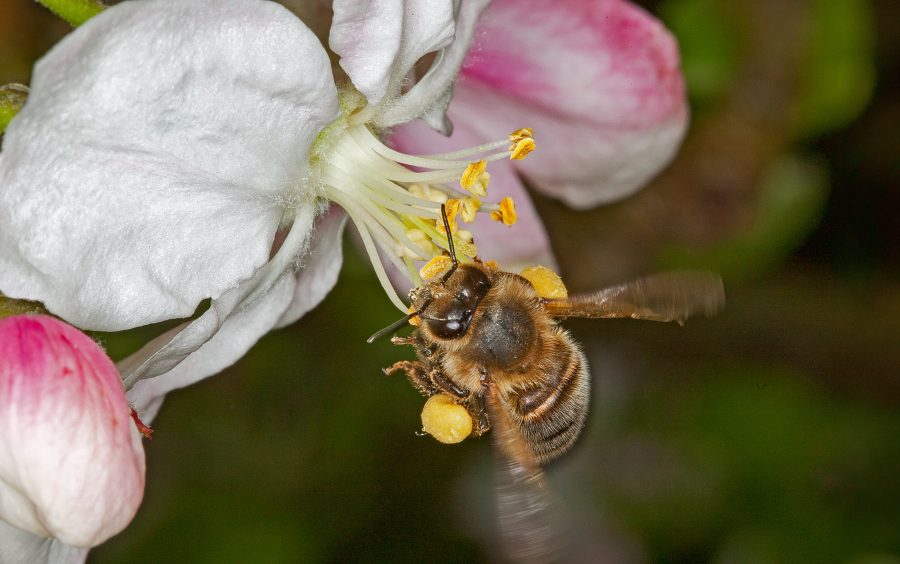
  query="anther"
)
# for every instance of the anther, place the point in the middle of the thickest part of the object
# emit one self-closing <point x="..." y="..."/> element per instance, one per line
<point x="520" y="149"/>
<point x="471" y="174"/>
<point x="506" y="212"/>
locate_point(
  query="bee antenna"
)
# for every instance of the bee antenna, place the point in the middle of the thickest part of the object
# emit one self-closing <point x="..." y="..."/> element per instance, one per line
<point x="397" y="324"/>
<point x="392" y="327"/>
<point x="449" y="243"/>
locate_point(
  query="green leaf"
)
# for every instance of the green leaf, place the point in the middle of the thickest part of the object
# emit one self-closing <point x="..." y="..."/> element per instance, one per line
<point x="76" y="12"/>
<point x="12" y="98"/>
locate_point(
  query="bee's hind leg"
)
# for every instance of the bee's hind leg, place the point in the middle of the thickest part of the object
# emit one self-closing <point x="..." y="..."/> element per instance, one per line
<point x="477" y="410"/>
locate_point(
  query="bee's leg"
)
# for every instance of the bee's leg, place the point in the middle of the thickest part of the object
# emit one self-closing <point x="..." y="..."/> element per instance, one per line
<point x="417" y="374"/>
<point x="476" y="408"/>
<point x="411" y="341"/>
<point x="445" y="385"/>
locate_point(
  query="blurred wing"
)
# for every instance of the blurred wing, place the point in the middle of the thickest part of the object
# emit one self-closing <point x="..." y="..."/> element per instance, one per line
<point x="672" y="296"/>
<point x="530" y="514"/>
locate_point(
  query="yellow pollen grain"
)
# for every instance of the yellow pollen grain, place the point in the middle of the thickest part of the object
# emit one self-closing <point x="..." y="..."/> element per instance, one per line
<point x="471" y="174"/>
<point x="468" y="209"/>
<point x="492" y="264"/>
<point x="519" y="134"/>
<point x="480" y="187"/>
<point x="414" y="321"/>
<point x="506" y="214"/>
<point x="547" y="284"/>
<point x="452" y="207"/>
<point x="435" y="268"/>
<point x="520" y="149"/>
<point x="467" y="248"/>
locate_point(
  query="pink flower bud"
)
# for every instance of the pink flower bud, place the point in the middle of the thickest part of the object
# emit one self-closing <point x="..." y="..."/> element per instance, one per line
<point x="71" y="460"/>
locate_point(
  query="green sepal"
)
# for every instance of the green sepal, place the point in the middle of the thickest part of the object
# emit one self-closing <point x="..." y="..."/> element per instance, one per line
<point x="76" y="12"/>
<point x="12" y="98"/>
<point x="10" y="307"/>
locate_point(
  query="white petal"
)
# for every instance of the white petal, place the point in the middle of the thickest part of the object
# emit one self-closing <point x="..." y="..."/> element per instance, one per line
<point x="320" y="267"/>
<point x="223" y="333"/>
<point x="431" y="95"/>
<point x="150" y="165"/>
<point x="367" y="34"/>
<point x="380" y="41"/>
<point x="234" y="337"/>
<point x="21" y="547"/>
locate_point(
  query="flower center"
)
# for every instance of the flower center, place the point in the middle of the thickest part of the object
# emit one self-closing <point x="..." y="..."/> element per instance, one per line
<point x="397" y="208"/>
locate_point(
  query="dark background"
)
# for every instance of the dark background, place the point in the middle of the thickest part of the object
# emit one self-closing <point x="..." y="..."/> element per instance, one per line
<point x="768" y="434"/>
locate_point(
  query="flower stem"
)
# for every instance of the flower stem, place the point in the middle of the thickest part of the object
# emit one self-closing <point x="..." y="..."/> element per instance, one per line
<point x="76" y="12"/>
<point x="12" y="98"/>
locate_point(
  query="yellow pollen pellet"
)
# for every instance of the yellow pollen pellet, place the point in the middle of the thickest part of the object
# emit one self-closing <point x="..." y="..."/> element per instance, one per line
<point x="445" y="420"/>
<point x="435" y="268"/>
<point x="506" y="214"/>
<point x="520" y="149"/>
<point x="471" y="174"/>
<point x="519" y="134"/>
<point x="468" y="209"/>
<point x="547" y="284"/>
<point x="414" y="321"/>
<point x="492" y="264"/>
<point x="480" y="187"/>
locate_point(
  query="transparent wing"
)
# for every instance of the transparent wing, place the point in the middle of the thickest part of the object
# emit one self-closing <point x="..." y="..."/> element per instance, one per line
<point x="530" y="515"/>
<point x="672" y="296"/>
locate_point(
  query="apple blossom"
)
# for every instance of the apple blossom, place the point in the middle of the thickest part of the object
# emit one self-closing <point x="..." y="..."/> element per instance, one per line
<point x="165" y="143"/>
<point x="71" y="460"/>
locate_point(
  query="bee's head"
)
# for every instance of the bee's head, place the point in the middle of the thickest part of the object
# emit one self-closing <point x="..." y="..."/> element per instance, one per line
<point x="446" y="306"/>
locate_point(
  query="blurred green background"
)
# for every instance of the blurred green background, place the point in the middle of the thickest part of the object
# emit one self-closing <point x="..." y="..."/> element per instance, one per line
<point x="768" y="434"/>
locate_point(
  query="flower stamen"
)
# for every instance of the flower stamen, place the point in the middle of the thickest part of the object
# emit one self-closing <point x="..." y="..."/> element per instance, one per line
<point x="396" y="208"/>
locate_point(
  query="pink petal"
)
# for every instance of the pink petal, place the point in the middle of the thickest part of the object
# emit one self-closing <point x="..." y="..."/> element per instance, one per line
<point x="599" y="82"/>
<point x="71" y="460"/>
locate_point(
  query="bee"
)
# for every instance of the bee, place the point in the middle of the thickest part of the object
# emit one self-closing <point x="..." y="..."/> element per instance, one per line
<point x="487" y="339"/>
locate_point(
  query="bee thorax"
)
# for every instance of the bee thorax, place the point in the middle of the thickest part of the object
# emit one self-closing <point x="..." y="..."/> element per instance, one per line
<point x="503" y="337"/>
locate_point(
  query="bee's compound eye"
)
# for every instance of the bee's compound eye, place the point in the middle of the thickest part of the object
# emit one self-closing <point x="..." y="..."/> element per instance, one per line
<point x="448" y="328"/>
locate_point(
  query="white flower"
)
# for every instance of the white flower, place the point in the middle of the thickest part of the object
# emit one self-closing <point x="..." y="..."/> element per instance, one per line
<point x="166" y="142"/>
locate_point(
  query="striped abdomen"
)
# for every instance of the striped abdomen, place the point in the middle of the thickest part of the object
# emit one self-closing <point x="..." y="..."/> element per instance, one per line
<point x="551" y="415"/>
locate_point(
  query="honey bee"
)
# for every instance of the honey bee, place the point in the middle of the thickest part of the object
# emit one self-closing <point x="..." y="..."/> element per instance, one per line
<point x="487" y="339"/>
